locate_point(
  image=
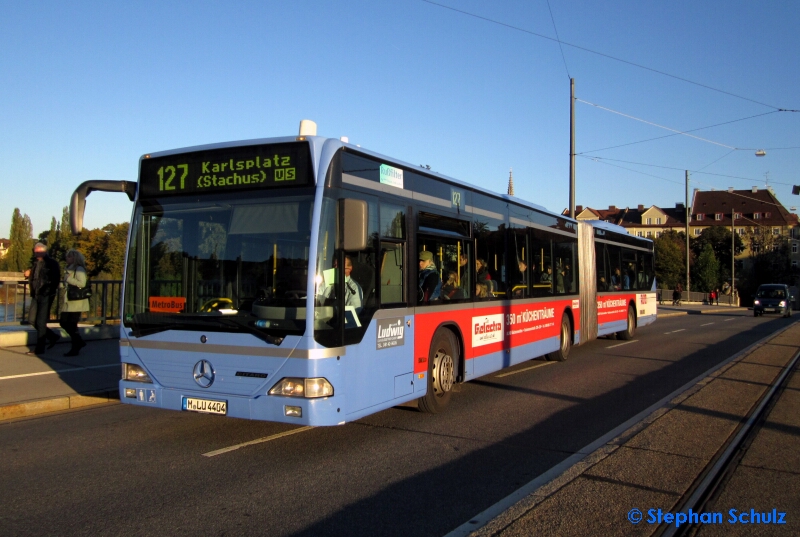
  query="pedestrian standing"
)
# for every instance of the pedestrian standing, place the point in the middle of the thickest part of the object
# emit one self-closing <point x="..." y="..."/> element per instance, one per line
<point x="75" y="274"/>
<point x="43" y="279"/>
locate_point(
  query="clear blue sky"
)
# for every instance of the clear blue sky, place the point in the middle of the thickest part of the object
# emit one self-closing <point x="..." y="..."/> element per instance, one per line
<point x="88" y="87"/>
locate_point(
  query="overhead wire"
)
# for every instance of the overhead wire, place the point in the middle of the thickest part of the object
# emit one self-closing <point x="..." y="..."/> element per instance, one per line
<point x="682" y="133"/>
<point x="553" y="20"/>
<point x="585" y="49"/>
<point x="663" y="73"/>
<point x="750" y="179"/>
<point x="689" y="130"/>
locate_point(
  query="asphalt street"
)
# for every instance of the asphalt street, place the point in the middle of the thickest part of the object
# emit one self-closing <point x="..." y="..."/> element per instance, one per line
<point x="117" y="469"/>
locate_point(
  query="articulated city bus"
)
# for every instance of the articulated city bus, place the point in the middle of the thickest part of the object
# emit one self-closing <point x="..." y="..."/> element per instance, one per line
<point x="307" y="280"/>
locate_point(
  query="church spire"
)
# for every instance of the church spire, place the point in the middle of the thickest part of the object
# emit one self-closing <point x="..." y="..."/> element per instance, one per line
<point x="511" y="181"/>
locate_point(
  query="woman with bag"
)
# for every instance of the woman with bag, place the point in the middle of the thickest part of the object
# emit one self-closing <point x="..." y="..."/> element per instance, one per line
<point x="73" y="302"/>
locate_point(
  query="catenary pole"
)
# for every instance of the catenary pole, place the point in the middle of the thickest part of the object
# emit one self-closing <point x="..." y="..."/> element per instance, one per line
<point x="733" y="257"/>
<point x="688" y="214"/>
<point x="572" y="148"/>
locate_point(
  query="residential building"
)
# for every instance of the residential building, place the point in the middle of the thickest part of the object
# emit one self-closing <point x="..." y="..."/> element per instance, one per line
<point x="755" y="214"/>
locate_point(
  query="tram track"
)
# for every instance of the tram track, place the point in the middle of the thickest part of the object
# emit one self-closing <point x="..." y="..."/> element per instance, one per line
<point x="711" y="481"/>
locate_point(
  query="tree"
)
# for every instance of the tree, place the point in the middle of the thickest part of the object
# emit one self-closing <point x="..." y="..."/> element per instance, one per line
<point x="720" y="240"/>
<point x="115" y="251"/>
<point x="18" y="257"/>
<point x="670" y="253"/>
<point x="50" y="236"/>
<point x="65" y="237"/>
<point x="706" y="272"/>
<point x="770" y="261"/>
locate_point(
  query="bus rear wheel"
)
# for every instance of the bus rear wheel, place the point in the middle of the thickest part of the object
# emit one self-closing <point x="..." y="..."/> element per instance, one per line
<point x="564" y="342"/>
<point x="442" y="372"/>
<point x="630" y="330"/>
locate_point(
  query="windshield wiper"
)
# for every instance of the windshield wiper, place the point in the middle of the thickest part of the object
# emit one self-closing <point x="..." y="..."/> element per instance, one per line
<point x="195" y="324"/>
<point x="139" y="332"/>
<point x="233" y="322"/>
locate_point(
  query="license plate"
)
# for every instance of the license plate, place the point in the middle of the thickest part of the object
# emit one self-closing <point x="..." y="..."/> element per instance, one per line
<point x="207" y="406"/>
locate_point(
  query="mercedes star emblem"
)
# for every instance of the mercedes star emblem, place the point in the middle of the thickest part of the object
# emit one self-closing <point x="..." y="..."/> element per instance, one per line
<point x="204" y="373"/>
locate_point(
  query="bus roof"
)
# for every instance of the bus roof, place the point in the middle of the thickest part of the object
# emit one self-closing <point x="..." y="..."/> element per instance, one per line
<point x="318" y="142"/>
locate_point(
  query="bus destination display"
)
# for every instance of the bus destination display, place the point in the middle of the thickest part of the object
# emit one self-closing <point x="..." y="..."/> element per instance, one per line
<point x="226" y="170"/>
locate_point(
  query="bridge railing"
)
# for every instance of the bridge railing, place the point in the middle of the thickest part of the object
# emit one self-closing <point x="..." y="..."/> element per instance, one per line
<point x="15" y="302"/>
<point x="666" y="297"/>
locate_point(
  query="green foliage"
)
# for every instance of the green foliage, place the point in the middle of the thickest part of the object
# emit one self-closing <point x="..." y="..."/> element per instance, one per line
<point x="20" y="247"/>
<point x="670" y="254"/>
<point x="706" y="270"/>
<point x="104" y="249"/>
<point x="719" y="238"/>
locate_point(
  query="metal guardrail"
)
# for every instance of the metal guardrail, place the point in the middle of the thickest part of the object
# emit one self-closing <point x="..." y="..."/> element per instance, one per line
<point x="15" y="302"/>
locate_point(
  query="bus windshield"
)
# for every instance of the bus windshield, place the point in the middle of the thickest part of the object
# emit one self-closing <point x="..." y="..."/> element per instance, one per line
<point x="232" y="263"/>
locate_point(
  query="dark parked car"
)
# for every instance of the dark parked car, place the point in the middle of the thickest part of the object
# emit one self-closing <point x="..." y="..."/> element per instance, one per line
<point x="773" y="298"/>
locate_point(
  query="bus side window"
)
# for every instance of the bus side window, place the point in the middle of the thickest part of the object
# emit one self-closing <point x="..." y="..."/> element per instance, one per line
<point x="391" y="259"/>
<point x="391" y="270"/>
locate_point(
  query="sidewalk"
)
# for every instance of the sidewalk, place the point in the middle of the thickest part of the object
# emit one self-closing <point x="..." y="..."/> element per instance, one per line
<point x="611" y="490"/>
<point x="31" y="384"/>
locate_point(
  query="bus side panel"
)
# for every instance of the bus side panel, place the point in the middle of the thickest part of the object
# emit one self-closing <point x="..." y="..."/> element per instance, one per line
<point x="497" y="335"/>
<point x="379" y="369"/>
<point x="647" y="308"/>
<point x="612" y="312"/>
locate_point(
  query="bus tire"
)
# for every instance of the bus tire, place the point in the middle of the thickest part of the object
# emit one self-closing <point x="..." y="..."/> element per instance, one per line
<point x="442" y="371"/>
<point x="564" y="341"/>
<point x="630" y="331"/>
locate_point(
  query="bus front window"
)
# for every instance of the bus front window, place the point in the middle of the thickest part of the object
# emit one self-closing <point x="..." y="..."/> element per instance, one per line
<point x="228" y="264"/>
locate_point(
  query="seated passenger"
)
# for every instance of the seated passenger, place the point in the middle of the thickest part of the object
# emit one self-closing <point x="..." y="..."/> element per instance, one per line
<point x="430" y="285"/>
<point x="520" y="281"/>
<point x="547" y="275"/>
<point x="451" y="289"/>
<point x="481" y="290"/>
<point x="482" y="273"/>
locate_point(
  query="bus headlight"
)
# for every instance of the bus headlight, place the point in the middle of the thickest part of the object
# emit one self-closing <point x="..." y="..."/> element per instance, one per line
<point x="135" y="373"/>
<point x="756" y="302"/>
<point x="782" y="304"/>
<point x="299" y="387"/>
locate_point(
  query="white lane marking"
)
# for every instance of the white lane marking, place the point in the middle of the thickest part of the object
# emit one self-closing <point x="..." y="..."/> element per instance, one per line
<point x="58" y="371"/>
<point x="621" y="344"/>
<point x="706" y="324"/>
<point x="523" y="370"/>
<point x="731" y="319"/>
<point x="256" y="441"/>
<point x="674" y="331"/>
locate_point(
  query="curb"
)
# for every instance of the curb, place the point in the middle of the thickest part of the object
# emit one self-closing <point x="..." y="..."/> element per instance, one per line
<point x="67" y="402"/>
<point x="672" y="314"/>
<point x="26" y="337"/>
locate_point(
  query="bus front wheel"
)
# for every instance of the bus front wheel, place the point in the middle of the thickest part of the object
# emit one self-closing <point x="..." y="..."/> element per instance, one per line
<point x="442" y="372"/>
<point x="564" y="341"/>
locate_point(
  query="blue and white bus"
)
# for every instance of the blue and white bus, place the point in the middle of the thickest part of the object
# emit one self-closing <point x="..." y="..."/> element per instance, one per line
<point x="278" y="279"/>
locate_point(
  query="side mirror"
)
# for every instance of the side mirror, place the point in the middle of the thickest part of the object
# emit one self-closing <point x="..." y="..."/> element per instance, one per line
<point x="353" y="216"/>
<point x="77" y="204"/>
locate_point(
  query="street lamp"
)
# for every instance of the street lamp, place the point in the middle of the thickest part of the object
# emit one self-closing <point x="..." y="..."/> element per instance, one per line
<point x="761" y="153"/>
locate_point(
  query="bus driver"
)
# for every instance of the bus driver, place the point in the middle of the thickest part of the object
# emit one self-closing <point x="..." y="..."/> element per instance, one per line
<point x="353" y="295"/>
